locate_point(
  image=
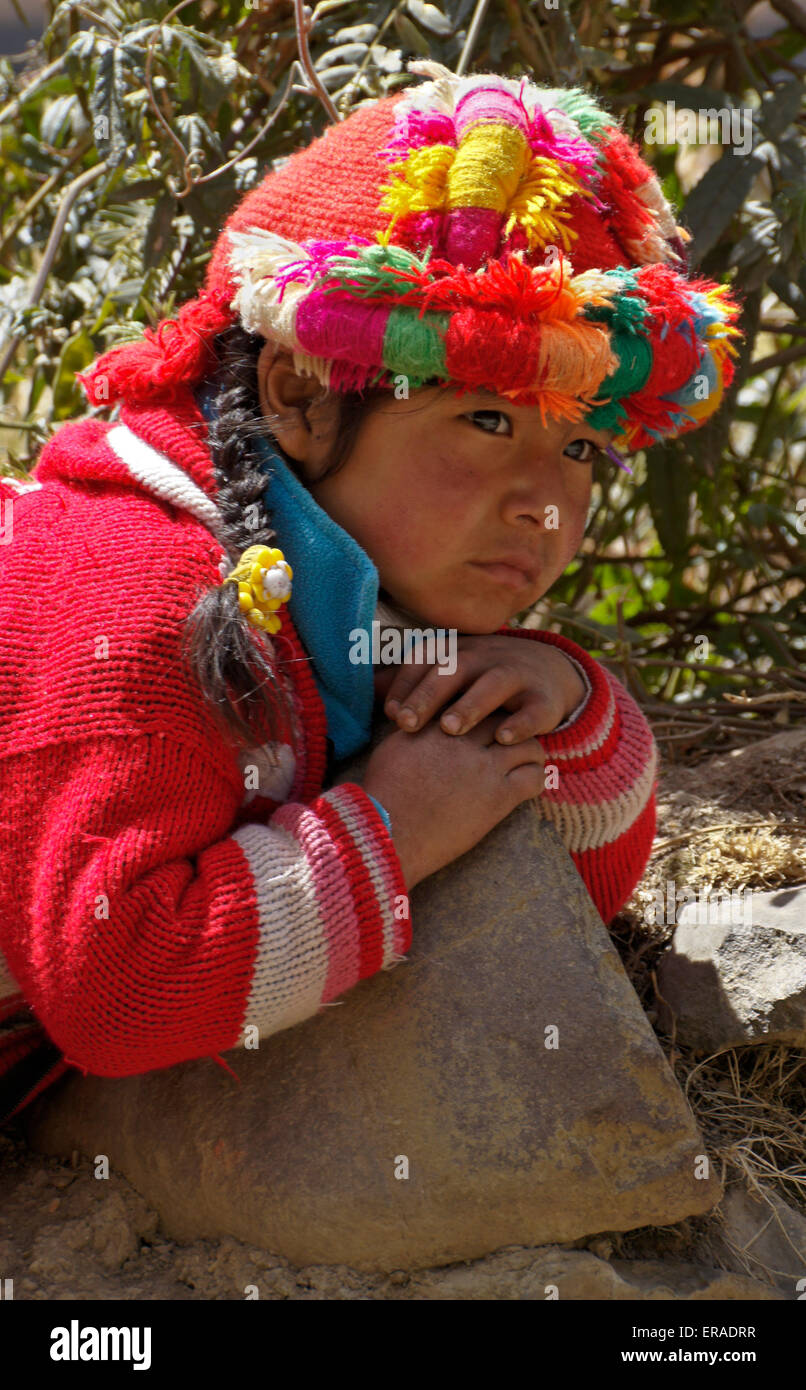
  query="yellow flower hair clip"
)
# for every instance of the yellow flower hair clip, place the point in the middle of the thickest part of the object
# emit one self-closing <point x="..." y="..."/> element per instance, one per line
<point x="264" y="579"/>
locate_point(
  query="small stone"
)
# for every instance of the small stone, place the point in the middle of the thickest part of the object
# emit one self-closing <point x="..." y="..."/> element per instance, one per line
<point x="739" y="976"/>
<point x="62" y="1180"/>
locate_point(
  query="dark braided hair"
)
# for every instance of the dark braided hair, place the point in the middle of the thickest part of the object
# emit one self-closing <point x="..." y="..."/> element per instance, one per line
<point x="232" y="669"/>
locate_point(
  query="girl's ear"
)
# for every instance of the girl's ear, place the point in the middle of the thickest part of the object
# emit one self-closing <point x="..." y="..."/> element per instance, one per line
<point x="305" y="434"/>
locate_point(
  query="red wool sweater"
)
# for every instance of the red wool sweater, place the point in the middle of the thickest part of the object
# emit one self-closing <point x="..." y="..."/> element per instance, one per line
<point x="151" y="909"/>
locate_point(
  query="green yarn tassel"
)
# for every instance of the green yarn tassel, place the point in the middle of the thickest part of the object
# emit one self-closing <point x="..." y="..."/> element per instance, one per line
<point x="372" y="271"/>
<point x="606" y="417"/>
<point x="635" y="364"/>
<point x="415" y="347"/>
<point x="626" y="313"/>
<point x="580" y="105"/>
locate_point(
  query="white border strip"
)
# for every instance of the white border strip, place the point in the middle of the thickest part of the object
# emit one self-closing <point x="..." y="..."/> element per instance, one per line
<point x="162" y="477"/>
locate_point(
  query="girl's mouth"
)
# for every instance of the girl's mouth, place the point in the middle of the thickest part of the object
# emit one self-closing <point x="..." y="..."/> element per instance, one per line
<point x="511" y="575"/>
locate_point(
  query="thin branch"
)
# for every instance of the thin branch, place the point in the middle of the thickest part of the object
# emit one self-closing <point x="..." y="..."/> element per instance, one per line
<point x="792" y="12"/>
<point x="302" y="26"/>
<point x="779" y="359"/>
<point x="152" y="102"/>
<point x="472" y="35"/>
<point x="794" y="328"/>
<point x="43" y="76"/>
<point x="750" y="702"/>
<point x="42" y="192"/>
<point x="729" y="825"/>
<point x="241" y="154"/>
<point x="71" y="193"/>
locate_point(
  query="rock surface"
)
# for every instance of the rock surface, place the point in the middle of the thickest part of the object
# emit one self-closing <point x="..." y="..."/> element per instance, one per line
<point x="577" y="1274"/>
<point x="765" y="1237"/>
<point x="65" y="1233"/>
<point x="740" y="978"/>
<point x="443" y="1066"/>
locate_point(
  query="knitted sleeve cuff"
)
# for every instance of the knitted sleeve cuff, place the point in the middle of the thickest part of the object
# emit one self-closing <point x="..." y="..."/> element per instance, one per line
<point x="574" y="715"/>
<point x="382" y="812"/>
<point x="379" y="897"/>
<point x="585" y="725"/>
<point x="332" y="904"/>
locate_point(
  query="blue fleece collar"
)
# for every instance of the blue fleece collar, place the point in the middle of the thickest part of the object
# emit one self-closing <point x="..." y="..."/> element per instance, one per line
<point x="334" y="589"/>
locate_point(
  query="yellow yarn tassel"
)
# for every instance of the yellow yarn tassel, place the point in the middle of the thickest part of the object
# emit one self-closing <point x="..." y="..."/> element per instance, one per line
<point x="537" y="204"/>
<point x="419" y="184"/>
<point x="489" y="165"/>
<point x="264" y="578"/>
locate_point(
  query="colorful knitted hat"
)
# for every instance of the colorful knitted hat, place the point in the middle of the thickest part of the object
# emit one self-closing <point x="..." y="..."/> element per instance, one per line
<point x="479" y="231"/>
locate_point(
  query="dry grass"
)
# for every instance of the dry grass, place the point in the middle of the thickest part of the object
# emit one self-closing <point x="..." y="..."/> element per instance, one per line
<point x="732" y="821"/>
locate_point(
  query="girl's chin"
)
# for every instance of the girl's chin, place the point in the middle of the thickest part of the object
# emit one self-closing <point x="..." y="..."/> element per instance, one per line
<point x="470" y="612"/>
<point x="464" y="615"/>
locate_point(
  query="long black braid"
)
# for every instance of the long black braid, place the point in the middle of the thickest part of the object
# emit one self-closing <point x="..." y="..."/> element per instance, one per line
<point x="232" y="669"/>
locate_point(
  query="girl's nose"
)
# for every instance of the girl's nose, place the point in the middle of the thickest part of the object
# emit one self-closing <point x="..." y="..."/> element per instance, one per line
<point x="540" y="503"/>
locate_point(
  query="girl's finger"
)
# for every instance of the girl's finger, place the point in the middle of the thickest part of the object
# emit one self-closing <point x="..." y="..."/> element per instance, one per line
<point x="519" y="755"/>
<point x="488" y="692"/>
<point x="406" y="679"/>
<point x="420" y="691"/>
<point x="538" y="714"/>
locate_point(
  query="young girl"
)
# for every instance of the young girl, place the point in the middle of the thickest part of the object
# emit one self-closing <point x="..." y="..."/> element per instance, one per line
<point x="414" y="338"/>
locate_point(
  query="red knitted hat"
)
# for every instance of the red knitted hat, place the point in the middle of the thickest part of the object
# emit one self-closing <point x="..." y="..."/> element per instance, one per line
<point x="481" y="231"/>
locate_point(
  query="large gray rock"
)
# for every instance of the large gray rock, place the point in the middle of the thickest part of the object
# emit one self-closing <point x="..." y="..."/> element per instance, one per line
<point x="444" y="1061"/>
<point x="735" y="972"/>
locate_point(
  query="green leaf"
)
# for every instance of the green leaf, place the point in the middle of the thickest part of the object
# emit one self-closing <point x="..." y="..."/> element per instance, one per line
<point x="429" y="16"/>
<point x="110" y="123"/>
<point x="79" y="54"/>
<point x="411" y="36"/>
<point x="105" y="310"/>
<point x="669" y="486"/>
<point x="685" y="98"/>
<point x="158" y="232"/>
<point x="56" y="118"/>
<point x="779" y="108"/>
<point x="757" y="513"/>
<point x="718" y="196"/>
<point x="198" y="81"/>
<point x="77" y="353"/>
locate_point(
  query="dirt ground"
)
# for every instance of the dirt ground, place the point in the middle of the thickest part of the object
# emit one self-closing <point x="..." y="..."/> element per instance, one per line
<point x="733" y="818"/>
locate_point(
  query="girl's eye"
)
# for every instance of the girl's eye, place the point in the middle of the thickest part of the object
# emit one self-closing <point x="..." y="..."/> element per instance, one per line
<point x="499" y="413"/>
<point x="595" y="450"/>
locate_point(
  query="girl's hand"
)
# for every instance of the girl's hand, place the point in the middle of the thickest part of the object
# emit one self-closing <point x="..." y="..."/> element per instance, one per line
<point x="533" y="680"/>
<point x="444" y="795"/>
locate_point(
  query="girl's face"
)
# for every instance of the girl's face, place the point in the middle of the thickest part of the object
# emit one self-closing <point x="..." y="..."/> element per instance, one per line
<point x="469" y="507"/>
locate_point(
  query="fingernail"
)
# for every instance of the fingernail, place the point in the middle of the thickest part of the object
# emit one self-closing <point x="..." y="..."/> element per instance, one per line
<point x="452" y="722"/>
<point x="392" y="706"/>
<point x="407" y="717"/>
<point x="505" y="735"/>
